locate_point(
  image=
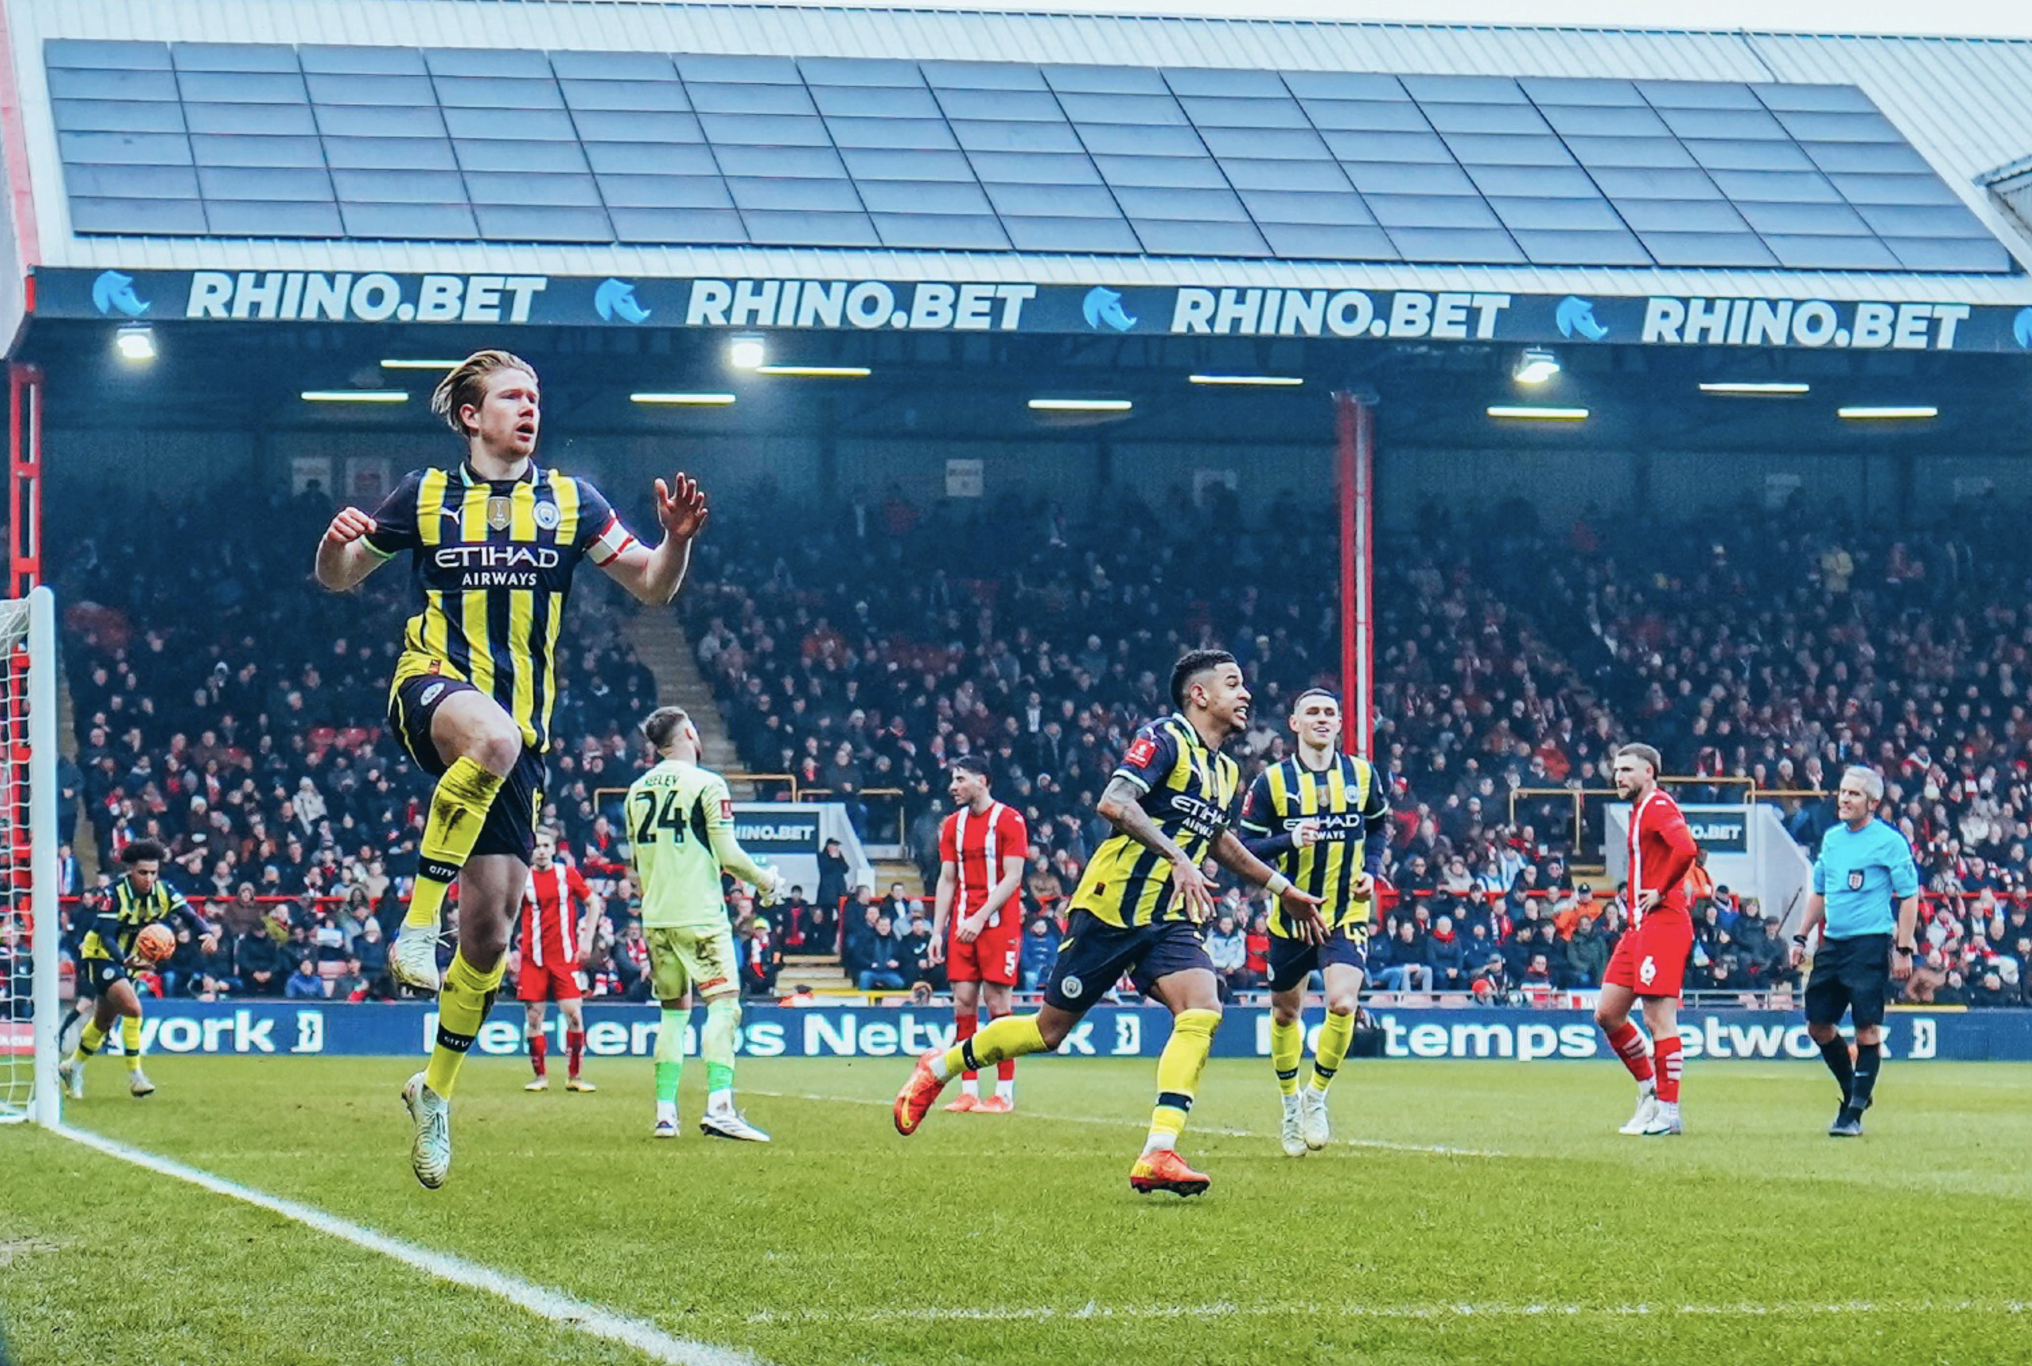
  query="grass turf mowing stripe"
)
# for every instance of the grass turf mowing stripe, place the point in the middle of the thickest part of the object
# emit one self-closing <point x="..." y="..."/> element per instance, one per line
<point x="557" y="1307"/>
<point x="1230" y="1309"/>
<point x="1435" y="1149"/>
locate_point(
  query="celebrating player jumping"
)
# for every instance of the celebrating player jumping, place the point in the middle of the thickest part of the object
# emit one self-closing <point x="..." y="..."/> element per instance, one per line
<point x="493" y="545"/>
<point x="982" y="848"/>
<point x="1650" y="959"/>
<point x="1139" y="909"/>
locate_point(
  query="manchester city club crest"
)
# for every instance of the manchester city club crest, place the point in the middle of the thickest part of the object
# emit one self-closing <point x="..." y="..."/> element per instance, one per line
<point x="547" y="516"/>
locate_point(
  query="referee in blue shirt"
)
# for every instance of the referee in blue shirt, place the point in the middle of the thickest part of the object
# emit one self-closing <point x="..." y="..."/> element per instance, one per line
<point x="1865" y="866"/>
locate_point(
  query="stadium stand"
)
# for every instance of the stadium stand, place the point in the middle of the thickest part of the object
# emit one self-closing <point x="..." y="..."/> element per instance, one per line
<point x="1512" y="657"/>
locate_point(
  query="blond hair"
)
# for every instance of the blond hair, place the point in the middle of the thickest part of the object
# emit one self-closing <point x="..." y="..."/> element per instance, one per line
<point x="466" y="385"/>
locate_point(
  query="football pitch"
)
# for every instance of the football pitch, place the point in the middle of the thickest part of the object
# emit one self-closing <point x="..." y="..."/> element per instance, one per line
<point x="1468" y="1212"/>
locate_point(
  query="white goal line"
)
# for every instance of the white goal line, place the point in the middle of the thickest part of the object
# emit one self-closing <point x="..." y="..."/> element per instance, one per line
<point x="553" y="1305"/>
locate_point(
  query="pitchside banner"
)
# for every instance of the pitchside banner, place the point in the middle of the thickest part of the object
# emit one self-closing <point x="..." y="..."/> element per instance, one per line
<point x="406" y="1029"/>
<point x="1212" y="310"/>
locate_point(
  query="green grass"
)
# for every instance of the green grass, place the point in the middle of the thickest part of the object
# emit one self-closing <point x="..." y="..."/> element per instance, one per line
<point x="1752" y="1239"/>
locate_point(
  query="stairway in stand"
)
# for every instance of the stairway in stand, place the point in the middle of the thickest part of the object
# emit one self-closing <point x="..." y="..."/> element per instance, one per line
<point x="660" y="642"/>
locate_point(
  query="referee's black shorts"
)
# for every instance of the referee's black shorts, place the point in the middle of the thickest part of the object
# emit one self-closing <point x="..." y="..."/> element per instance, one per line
<point x="1851" y="974"/>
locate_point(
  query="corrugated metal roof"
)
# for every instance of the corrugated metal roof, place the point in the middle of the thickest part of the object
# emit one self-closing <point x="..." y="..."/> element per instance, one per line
<point x="1965" y="104"/>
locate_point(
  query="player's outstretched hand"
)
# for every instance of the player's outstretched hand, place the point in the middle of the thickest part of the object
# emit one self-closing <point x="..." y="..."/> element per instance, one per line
<point x="1302" y="908"/>
<point x="1306" y="834"/>
<point x="772" y="891"/>
<point x="681" y="506"/>
<point x="1363" y="887"/>
<point x="1194" y="890"/>
<point x="348" y="526"/>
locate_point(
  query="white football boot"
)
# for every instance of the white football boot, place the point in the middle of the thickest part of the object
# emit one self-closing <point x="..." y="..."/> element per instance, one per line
<point x="430" y="1151"/>
<point x="729" y="1123"/>
<point x="1647" y="1114"/>
<point x="1318" y="1131"/>
<point x="1291" y="1133"/>
<point x="412" y="959"/>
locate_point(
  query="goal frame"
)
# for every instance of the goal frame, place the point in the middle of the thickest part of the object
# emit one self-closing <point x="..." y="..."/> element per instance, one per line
<point x="45" y="1095"/>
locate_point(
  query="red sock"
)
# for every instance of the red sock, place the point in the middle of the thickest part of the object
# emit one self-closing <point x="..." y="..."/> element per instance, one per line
<point x="1667" y="1049"/>
<point x="964" y="1023"/>
<point x="538" y="1047"/>
<point x="1629" y="1046"/>
<point x="574" y="1049"/>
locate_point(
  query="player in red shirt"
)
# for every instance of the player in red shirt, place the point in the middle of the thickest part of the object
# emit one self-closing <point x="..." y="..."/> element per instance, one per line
<point x="982" y="850"/>
<point x="555" y="945"/>
<point x="1650" y="959"/>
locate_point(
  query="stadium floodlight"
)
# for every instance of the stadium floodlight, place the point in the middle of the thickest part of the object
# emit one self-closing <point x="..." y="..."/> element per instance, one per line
<point x="354" y="396"/>
<point x="1890" y="413"/>
<point x="398" y="363"/>
<point x="747" y="352"/>
<point x="817" y="371"/>
<point x="1537" y="414"/>
<point x="1081" y="405"/>
<point x="676" y="400"/>
<point x="135" y="342"/>
<point x="1756" y="387"/>
<point x="1535" y="366"/>
<point x="1248" y="381"/>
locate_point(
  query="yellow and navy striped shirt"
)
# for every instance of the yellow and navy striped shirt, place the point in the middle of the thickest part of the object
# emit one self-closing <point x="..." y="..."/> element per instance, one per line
<point x="1346" y="799"/>
<point x="124" y="912"/>
<point x="1189" y="793"/>
<point x="494" y="560"/>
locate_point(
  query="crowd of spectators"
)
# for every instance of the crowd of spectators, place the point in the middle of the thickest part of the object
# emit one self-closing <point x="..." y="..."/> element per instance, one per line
<point x="1511" y="660"/>
<point x="228" y="707"/>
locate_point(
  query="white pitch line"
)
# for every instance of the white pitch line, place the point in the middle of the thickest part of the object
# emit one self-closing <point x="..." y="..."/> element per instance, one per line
<point x="1434" y="1149"/>
<point x="545" y="1303"/>
<point x="1228" y="1309"/>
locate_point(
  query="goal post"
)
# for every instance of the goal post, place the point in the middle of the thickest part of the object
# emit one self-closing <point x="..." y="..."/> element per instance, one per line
<point x="30" y="1013"/>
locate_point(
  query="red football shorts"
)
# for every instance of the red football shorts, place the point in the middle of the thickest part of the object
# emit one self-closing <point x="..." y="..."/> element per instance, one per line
<point x="992" y="957"/>
<point x="1651" y="959"/>
<point x="547" y="982"/>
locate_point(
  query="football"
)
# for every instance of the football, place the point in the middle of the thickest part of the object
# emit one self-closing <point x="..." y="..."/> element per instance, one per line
<point x="154" y="943"/>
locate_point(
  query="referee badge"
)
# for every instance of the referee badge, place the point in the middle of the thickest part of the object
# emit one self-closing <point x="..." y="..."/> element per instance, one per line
<point x="1856" y="880"/>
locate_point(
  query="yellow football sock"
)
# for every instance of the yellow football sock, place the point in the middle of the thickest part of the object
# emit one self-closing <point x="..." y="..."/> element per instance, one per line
<point x="1012" y="1036"/>
<point x="130" y="1040"/>
<point x="458" y="808"/>
<point x="90" y="1040"/>
<point x="1178" y="1069"/>
<point x="1334" y="1037"/>
<point x="1287" y="1046"/>
<point x="462" y="1007"/>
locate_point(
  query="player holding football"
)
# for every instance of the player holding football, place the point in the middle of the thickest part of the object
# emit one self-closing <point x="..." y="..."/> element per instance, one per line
<point x="1865" y="866"/>
<point x="680" y="837"/>
<point x="493" y="545"/>
<point x="555" y="942"/>
<point x="982" y="850"/>
<point x="1321" y="819"/>
<point x="1139" y="909"/>
<point x="139" y="899"/>
<point x="1649" y="963"/>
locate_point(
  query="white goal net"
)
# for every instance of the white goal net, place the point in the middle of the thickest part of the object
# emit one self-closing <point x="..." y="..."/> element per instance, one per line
<point x="28" y="881"/>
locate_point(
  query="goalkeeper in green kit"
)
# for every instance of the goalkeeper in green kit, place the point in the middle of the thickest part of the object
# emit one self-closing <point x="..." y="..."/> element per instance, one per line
<point x="681" y="835"/>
